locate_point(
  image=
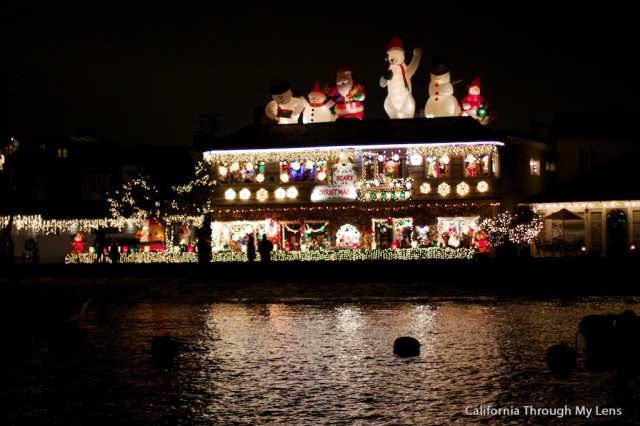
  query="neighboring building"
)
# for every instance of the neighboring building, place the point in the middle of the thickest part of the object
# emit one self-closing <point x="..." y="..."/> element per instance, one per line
<point x="56" y="186"/>
<point x="70" y="177"/>
<point x="586" y="141"/>
<point x="63" y="177"/>
<point x="529" y="167"/>
<point x="596" y="181"/>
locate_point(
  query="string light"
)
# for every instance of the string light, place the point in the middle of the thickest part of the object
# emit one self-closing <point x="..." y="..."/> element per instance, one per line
<point x="287" y="256"/>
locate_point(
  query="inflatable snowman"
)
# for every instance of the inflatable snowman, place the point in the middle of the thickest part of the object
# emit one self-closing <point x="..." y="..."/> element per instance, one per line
<point x="285" y="108"/>
<point x="399" y="102"/>
<point x="441" y="102"/>
<point x="319" y="108"/>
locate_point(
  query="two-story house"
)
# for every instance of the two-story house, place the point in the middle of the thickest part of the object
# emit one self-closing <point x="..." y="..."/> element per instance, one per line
<point x="352" y="183"/>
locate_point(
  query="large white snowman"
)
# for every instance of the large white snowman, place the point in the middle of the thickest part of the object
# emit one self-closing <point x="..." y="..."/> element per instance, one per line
<point x="441" y="101"/>
<point x="399" y="102"/>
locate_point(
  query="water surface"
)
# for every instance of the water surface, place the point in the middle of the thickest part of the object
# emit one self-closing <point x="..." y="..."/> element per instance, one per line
<point x="313" y="362"/>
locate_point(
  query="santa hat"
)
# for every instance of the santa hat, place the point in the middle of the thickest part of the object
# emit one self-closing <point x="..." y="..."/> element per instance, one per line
<point x="343" y="68"/>
<point x="395" y="43"/>
<point x="316" y="89"/>
<point x="279" y="85"/>
<point x="475" y="83"/>
<point x="439" y="65"/>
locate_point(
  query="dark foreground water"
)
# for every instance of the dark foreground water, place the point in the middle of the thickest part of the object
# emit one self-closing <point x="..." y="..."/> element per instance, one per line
<point x="482" y="361"/>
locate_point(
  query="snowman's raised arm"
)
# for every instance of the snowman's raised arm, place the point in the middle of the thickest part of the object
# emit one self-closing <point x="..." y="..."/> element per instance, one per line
<point x="415" y="61"/>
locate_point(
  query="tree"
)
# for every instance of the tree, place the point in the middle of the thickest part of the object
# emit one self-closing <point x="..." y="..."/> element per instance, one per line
<point x="138" y="199"/>
<point x="194" y="198"/>
<point x="512" y="232"/>
<point x="141" y="198"/>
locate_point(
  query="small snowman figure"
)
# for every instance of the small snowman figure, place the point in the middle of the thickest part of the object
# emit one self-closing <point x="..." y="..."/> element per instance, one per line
<point x="441" y="102"/>
<point x="285" y="108"/>
<point x="319" y="108"/>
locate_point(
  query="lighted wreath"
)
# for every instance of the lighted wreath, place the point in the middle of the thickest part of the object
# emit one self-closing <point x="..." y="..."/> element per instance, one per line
<point x="616" y="218"/>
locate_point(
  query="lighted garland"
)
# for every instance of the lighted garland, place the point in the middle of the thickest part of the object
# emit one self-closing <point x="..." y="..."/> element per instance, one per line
<point x="35" y="223"/>
<point x="424" y="253"/>
<point x="335" y="154"/>
<point x="307" y="229"/>
<point x="268" y="156"/>
<point x="398" y="189"/>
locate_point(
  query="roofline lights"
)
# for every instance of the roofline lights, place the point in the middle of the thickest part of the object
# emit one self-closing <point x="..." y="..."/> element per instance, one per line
<point x="348" y="147"/>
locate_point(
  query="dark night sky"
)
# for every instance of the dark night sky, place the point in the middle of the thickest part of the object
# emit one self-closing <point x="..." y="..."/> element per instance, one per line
<point x="143" y="72"/>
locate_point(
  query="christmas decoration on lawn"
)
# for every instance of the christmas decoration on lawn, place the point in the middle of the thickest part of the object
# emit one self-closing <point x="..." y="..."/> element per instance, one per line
<point x="441" y="101"/>
<point x="151" y="235"/>
<point x="77" y="243"/>
<point x="399" y="102"/>
<point x="368" y="239"/>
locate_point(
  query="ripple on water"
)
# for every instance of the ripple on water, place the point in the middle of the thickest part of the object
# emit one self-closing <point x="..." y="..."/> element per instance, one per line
<point x="310" y="364"/>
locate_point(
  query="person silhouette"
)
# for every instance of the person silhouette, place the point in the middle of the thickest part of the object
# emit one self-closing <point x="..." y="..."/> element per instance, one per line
<point x="265" y="246"/>
<point x="251" y="248"/>
<point x="114" y="251"/>
<point x="100" y="244"/>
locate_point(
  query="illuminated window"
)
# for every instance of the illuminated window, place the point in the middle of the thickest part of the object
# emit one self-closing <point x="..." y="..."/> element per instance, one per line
<point x="62" y="152"/>
<point x="437" y="166"/>
<point x="476" y="166"/>
<point x="303" y="170"/>
<point x="534" y="167"/>
<point x="241" y="172"/>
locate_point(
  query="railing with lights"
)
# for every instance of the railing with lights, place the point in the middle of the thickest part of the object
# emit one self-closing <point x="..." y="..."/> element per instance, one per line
<point x="386" y="189"/>
<point x="287" y="256"/>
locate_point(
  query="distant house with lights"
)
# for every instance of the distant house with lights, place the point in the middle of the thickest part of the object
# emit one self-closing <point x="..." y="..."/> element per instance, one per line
<point x="597" y="177"/>
<point x="368" y="184"/>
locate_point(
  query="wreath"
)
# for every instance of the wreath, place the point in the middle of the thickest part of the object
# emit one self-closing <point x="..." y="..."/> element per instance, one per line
<point x="616" y="218"/>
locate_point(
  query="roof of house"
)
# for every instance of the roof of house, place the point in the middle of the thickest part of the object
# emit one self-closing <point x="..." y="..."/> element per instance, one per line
<point x="359" y="132"/>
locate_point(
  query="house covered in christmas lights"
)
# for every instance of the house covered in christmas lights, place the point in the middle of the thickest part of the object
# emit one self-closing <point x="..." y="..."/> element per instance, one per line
<point x="356" y="184"/>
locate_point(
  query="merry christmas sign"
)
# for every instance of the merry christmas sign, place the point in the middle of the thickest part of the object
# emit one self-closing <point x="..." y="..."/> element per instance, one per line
<point x="334" y="192"/>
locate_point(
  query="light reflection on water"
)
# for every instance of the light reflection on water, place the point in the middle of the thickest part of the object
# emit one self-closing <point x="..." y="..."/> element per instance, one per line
<point x="311" y="363"/>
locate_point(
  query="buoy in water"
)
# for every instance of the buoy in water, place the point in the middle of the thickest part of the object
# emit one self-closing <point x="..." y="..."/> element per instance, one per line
<point x="406" y="346"/>
<point x="165" y="347"/>
<point x="561" y="359"/>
